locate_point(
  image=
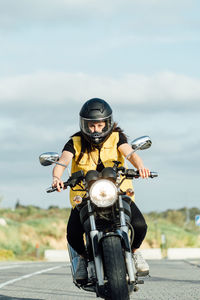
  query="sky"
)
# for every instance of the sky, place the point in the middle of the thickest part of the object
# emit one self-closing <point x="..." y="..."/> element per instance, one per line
<point x="141" y="56"/>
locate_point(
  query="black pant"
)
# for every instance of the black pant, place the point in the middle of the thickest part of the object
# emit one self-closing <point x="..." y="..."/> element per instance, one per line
<point x="75" y="229"/>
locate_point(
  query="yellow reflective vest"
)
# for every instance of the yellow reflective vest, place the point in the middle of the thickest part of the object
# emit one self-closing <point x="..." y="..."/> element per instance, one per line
<point x="108" y="153"/>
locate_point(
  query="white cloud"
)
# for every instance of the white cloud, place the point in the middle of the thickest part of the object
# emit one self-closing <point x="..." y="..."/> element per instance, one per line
<point x="165" y="88"/>
<point x="17" y="12"/>
<point x="14" y="13"/>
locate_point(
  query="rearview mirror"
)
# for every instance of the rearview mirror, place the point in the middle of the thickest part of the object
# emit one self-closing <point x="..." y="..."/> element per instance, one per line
<point x="141" y="143"/>
<point x="48" y="158"/>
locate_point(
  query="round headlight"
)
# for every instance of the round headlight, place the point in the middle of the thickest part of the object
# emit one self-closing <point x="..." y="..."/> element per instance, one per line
<point x="103" y="193"/>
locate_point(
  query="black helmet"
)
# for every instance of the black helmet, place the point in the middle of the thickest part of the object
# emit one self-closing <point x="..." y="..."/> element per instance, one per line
<point x="96" y="110"/>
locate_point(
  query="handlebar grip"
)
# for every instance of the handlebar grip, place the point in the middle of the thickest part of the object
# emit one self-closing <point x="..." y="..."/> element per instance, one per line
<point x="51" y="189"/>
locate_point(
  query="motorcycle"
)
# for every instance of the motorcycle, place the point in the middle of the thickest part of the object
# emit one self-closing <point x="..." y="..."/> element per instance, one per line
<point x="105" y="215"/>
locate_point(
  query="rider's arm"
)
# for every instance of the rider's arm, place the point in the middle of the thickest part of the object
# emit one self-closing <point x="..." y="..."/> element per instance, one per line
<point x="134" y="159"/>
<point x="58" y="170"/>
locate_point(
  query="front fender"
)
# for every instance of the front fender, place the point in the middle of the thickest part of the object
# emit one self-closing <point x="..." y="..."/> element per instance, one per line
<point x="123" y="237"/>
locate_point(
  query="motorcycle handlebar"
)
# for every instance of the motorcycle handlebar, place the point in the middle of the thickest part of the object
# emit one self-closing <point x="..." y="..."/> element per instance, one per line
<point x="153" y="174"/>
<point x="129" y="173"/>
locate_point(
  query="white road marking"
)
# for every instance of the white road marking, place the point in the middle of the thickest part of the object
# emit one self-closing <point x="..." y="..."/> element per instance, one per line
<point x="28" y="275"/>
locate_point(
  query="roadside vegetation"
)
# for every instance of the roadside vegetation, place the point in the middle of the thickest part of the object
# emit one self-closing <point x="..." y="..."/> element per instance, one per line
<point x="28" y="231"/>
<point x="173" y="229"/>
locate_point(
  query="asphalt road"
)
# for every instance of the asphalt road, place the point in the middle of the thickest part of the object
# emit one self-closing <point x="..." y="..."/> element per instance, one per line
<point x="43" y="280"/>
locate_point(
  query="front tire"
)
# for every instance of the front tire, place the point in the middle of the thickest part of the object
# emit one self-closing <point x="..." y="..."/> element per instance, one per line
<point x="115" y="270"/>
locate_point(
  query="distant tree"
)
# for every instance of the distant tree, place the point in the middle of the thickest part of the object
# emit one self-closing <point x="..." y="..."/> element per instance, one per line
<point x="193" y="212"/>
<point x="181" y="216"/>
<point x="53" y="207"/>
<point x="17" y="205"/>
<point x="176" y="217"/>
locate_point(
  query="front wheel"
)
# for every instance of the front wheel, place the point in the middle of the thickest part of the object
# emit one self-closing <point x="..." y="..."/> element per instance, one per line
<point x="115" y="270"/>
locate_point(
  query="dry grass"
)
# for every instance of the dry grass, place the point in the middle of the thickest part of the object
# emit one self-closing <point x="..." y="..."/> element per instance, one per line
<point x="29" y="227"/>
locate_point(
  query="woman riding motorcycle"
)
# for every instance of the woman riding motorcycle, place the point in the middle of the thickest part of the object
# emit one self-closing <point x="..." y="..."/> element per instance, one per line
<point x="98" y="143"/>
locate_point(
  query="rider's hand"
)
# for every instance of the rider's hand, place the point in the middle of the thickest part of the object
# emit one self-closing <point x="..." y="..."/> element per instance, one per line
<point x="57" y="183"/>
<point x="144" y="172"/>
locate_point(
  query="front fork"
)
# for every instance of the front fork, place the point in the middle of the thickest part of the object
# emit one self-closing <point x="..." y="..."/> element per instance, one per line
<point x="94" y="234"/>
<point x="128" y="253"/>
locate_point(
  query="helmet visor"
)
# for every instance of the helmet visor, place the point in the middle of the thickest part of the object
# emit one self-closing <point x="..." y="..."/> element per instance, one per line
<point x="102" y="126"/>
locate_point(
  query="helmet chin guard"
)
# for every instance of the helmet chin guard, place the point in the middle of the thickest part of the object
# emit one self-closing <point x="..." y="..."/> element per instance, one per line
<point x="96" y="138"/>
